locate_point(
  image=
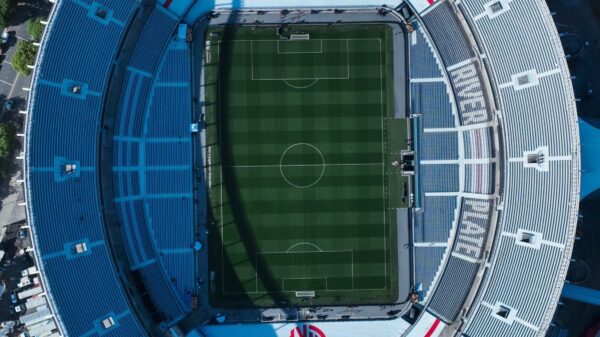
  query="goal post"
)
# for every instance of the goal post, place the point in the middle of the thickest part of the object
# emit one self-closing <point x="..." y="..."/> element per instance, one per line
<point x="300" y="37"/>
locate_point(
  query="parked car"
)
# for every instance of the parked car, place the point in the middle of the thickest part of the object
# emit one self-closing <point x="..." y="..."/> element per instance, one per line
<point x="22" y="233"/>
<point x="13" y="297"/>
<point x="8" y="104"/>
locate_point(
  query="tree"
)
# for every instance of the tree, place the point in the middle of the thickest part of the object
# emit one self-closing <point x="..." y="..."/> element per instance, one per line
<point x="7" y="144"/>
<point x="7" y="140"/>
<point x="24" y="55"/>
<point x="6" y="9"/>
<point x="35" y="28"/>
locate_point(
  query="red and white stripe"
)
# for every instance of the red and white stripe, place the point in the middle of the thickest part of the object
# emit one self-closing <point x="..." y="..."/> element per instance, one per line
<point x="427" y="326"/>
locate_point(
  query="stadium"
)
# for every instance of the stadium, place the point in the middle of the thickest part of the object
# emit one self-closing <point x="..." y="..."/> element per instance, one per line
<point x="292" y="168"/>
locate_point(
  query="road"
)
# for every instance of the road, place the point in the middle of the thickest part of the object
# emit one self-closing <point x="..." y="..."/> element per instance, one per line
<point x="12" y="213"/>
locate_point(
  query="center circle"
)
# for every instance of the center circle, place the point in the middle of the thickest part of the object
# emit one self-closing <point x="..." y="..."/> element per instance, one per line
<point x="302" y="165"/>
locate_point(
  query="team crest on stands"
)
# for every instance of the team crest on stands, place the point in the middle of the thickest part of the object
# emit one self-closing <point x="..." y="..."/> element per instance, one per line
<point x="307" y="330"/>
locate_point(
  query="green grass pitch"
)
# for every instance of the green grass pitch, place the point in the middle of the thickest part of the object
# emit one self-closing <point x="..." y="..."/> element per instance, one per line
<point x="299" y="150"/>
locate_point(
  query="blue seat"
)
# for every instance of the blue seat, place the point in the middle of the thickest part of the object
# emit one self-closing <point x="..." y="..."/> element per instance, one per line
<point x="153" y="166"/>
<point x="65" y="208"/>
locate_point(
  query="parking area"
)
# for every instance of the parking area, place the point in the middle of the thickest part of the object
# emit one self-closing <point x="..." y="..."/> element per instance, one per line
<point x="14" y="240"/>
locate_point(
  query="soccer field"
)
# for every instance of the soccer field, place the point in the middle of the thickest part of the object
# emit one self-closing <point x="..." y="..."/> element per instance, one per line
<point x="298" y="153"/>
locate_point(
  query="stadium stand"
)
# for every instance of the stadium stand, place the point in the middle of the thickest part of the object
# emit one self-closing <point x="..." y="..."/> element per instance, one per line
<point x="422" y="61"/>
<point x="461" y="62"/>
<point x="465" y="259"/>
<point x="447" y="34"/>
<point x="153" y="166"/>
<point x="432" y="102"/>
<point x="535" y="94"/>
<point x="486" y="104"/>
<point x="479" y="178"/>
<point x="478" y="143"/>
<point x="61" y="167"/>
<point x="456" y="159"/>
<point x="442" y="178"/>
<point x="438" y="146"/>
<point x="434" y="223"/>
<point x="170" y="118"/>
<point x="537" y="113"/>
<point x="427" y="263"/>
<point x="432" y="106"/>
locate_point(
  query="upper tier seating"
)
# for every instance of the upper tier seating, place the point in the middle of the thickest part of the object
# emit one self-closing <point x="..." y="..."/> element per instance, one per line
<point x="540" y="193"/>
<point x="63" y="201"/>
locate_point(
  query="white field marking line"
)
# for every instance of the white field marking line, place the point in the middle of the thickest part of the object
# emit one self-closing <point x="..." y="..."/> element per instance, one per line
<point x="382" y="161"/>
<point x="348" y="59"/>
<point x="281" y="166"/>
<point x="352" y="269"/>
<point x="304" y="78"/>
<point x="251" y="60"/>
<point x="221" y="174"/>
<point x="303" y="278"/>
<point x="266" y="292"/>
<point x="348" y="164"/>
<point x="298" y="78"/>
<point x="304" y="243"/>
<point x="301" y="87"/>
<point x="310" y="252"/>
<point x="305" y="165"/>
<point x="6" y="83"/>
<point x="279" y="52"/>
<point x="208" y="55"/>
<point x="353" y="39"/>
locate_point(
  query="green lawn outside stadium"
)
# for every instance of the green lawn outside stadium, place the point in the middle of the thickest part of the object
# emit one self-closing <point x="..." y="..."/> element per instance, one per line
<point x="298" y="165"/>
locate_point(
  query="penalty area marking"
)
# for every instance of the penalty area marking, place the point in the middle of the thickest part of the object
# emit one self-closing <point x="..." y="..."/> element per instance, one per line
<point x="304" y="243"/>
<point x="316" y="277"/>
<point x="320" y="51"/>
<point x="301" y="86"/>
<point x="255" y="78"/>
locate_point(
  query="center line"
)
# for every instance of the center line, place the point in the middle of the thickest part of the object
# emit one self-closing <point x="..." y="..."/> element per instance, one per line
<point x="305" y="165"/>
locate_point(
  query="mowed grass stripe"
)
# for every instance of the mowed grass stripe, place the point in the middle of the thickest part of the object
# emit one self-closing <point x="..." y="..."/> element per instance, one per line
<point x="243" y="159"/>
<point x="241" y="99"/>
<point x="260" y="113"/>
<point x="256" y="137"/>
<point x="348" y="120"/>
<point x="334" y="177"/>
<point x="265" y="211"/>
<point x="372" y="246"/>
<point x="337" y="222"/>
